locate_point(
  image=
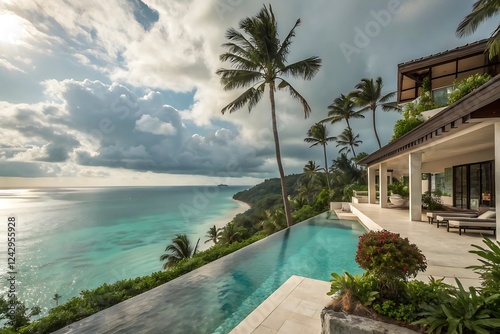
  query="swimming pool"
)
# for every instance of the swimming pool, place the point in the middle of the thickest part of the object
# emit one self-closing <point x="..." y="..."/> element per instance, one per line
<point x="218" y="296"/>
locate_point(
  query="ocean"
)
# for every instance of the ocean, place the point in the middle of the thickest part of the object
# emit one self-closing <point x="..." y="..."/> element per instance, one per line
<point x="72" y="239"/>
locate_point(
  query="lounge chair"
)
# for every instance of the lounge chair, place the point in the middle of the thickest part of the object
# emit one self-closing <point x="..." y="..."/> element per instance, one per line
<point x="472" y="224"/>
<point x="444" y="218"/>
<point x="432" y="216"/>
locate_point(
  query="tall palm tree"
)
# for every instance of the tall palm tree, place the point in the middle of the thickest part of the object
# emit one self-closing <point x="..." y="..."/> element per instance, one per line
<point x="368" y="95"/>
<point x="481" y="11"/>
<point x="179" y="249"/>
<point x="213" y="234"/>
<point x="347" y="138"/>
<point x="259" y="59"/>
<point x="342" y="108"/>
<point x="318" y="135"/>
<point x="311" y="168"/>
<point x="56" y="298"/>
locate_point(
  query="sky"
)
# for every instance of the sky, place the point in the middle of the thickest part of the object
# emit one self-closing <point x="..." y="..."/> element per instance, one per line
<point x="125" y="92"/>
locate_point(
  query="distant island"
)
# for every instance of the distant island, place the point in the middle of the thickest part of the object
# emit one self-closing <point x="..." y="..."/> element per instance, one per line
<point x="222" y="185"/>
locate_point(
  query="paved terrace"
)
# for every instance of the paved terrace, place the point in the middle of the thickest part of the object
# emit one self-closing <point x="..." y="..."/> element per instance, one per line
<point x="296" y="305"/>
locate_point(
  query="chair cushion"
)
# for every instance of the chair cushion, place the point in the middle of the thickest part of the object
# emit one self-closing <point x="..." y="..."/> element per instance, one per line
<point x="487" y="214"/>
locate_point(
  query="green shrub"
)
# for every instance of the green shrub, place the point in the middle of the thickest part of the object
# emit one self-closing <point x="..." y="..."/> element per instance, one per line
<point x="390" y="258"/>
<point x="399" y="188"/>
<point x="467" y="85"/>
<point x="352" y="290"/>
<point x="431" y="201"/>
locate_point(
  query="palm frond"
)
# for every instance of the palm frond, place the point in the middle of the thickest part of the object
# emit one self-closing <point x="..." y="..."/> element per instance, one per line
<point x="494" y="43"/>
<point x="238" y="78"/>
<point x="305" y="69"/>
<point x="481" y="11"/>
<point x="285" y="46"/>
<point x="247" y="97"/>
<point x="239" y="61"/>
<point x="296" y="95"/>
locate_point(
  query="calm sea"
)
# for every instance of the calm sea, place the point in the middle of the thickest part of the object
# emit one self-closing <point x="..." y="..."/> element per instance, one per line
<point x="71" y="239"/>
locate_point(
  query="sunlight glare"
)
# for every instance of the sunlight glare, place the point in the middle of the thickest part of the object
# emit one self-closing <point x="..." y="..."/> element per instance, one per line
<point x="11" y="29"/>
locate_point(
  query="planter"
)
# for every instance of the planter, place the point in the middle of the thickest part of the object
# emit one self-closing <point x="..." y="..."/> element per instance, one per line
<point x="398" y="200"/>
<point x="340" y="323"/>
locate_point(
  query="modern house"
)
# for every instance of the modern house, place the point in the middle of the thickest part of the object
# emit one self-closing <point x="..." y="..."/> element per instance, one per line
<point x="458" y="146"/>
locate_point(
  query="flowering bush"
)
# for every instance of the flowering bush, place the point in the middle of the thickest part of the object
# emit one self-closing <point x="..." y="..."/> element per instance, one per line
<point x="389" y="257"/>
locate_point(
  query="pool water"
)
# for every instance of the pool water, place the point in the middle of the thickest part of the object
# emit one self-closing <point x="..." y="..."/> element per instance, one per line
<point x="218" y="296"/>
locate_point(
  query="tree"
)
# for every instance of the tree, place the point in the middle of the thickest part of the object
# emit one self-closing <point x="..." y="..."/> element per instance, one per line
<point x="342" y="108"/>
<point x="213" y="234"/>
<point x="318" y="135"/>
<point x="20" y="316"/>
<point x="230" y="233"/>
<point x="259" y="59"/>
<point x="56" y="298"/>
<point x="311" y="168"/>
<point x="368" y="95"/>
<point x="347" y="138"/>
<point x="275" y="221"/>
<point x="481" y="11"/>
<point x="179" y="249"/>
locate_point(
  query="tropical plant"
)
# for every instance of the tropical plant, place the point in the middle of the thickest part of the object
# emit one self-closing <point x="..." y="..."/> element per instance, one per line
<point x="460" y="311"/>
<point x="213" y="235"/>
<point x="275" y="221"/>
<point x="21" y="314"/>
<point x="481" y="11"/>
<point x="467" y="85"/>
<point x="390" y="258"/>
<point x="259" y="59"/>
<point x="489" y="269"/>
<point x="230" y="233"/>
<point x="179" y="249"/>
<point x="311" y="169"/>
<point x="348" y="141"/>
<point x="353" y="289"/>
<point x="432" y="200"/>
<point x="56" y="298"/>
<point x="368" y="96"/>
<point x="342" y="108"/>
<point x="399" y="188"/>
<point x="318" y="135"/>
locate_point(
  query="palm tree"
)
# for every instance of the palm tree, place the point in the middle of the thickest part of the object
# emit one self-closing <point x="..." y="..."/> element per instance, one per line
<point x="368" y="95"/>
<point x="481" y="11"/>
<point x="347" y="138"/>
<point x="275" y="221"/>
<point x="56" y="298"/>
<point x="342" y="108"/>
<point x="318" y="135"/>
<point x="180" y="249"/>
<point x="259" y="60"/>
<point x="230" y="233"/>
<point x="213" y="234"/>
<point x="311" y="168"/>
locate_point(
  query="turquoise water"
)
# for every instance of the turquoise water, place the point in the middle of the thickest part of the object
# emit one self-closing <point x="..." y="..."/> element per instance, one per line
<point x="218" y="296"/>
<point x="69" y="240"/>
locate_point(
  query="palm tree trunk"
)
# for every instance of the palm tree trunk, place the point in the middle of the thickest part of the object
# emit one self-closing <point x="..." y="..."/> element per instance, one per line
<point x="326" y="170"/>
<point x="353" y="153"/>
<point x="375" y="129"/>
<point x="284" y="193"/>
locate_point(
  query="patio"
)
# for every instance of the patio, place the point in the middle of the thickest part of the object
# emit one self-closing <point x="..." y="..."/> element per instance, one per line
<point x="296" y="305"/>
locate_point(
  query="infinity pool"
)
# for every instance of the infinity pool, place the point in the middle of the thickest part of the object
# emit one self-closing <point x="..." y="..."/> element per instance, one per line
<point x="218" y="296"/>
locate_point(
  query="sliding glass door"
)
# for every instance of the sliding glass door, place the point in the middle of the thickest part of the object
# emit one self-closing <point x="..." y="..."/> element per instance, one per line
<point x="473" y="185"/>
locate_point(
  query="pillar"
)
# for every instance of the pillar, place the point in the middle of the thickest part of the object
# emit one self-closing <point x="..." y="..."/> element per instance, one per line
<point x="371" y="185"/>
<point x="383" y="184"/>
<point x="415" y="164"/>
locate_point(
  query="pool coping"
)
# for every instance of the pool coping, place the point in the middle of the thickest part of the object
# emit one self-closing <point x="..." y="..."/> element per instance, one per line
<point x="295" y="307"/>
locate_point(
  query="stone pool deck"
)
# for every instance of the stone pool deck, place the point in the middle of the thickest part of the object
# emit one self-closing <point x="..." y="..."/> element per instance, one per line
<point x="295" y="307"/>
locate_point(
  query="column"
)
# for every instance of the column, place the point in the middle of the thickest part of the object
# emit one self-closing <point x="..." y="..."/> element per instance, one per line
<point x="371" y="185"/>
<point x="497" y="175"/>
<point x="415" y="164"/>
<point x="383" y="184"/>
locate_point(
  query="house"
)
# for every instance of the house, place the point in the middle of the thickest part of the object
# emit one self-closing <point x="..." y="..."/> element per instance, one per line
<point x="458" y="146"/>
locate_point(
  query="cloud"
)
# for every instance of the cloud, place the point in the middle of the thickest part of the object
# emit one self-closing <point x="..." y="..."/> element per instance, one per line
<point x="9" y="66"/>
<point x="153" y="125"/>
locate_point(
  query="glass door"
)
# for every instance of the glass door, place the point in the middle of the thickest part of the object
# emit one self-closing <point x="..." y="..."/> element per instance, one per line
<point x="460" y="187"/>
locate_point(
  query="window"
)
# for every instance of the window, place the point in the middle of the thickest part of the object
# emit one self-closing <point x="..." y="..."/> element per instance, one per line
<point x="473" y="185"/>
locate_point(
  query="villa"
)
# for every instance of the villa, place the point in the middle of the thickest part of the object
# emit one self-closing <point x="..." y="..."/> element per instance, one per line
<point x="457" y="147"/>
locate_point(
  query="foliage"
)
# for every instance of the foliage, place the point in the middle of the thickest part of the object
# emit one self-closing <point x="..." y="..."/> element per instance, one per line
<point x="180" y="248"/>
<point x="399" y="188"/>
<point x="432" y="200"/>
<point x="411" y="119"/>
<point x="107" y="295"/>
<point x="489" y="269"/>
<point x="231" y="233"/>
<point x="275" y="221"/>
<point x="348" y="140"/>
<point x="352" y="289"/>
<point x="464" y="87"/>
<point x="390" y="258"/>
<point x="460" y="310"/>
<point x="21" y="315"/>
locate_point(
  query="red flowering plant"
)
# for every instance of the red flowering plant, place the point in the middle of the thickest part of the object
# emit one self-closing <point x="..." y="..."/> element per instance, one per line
<point x="390" y="258"/>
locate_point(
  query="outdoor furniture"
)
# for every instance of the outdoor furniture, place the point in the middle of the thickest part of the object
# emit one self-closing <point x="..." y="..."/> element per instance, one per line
<point x="431" y="216"/>
<point x="472" y="224"/>
<point x="442" y="218"/>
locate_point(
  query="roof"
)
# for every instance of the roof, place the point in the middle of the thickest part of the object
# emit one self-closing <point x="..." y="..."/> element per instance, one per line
<point x="475" y="105"/>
